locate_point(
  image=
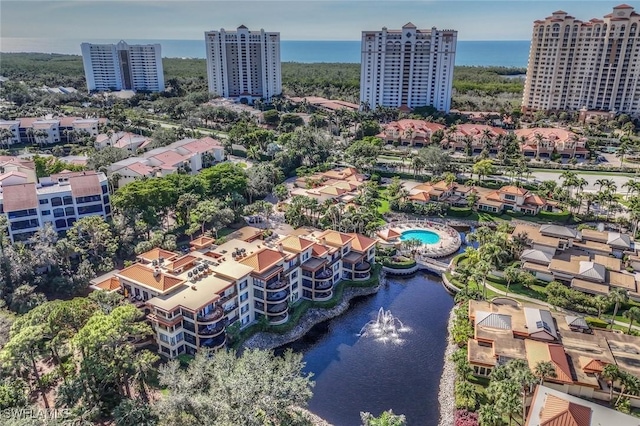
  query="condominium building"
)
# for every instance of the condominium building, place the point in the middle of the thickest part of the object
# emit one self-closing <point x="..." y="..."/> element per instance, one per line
<point x="576" y="64"/>
<point x="183" y="156"/>
<point x="243" y="64"/>
<point x="407" y="68"/>
<point x="47" y="131"/>
<point x="59" y="200"/>
<point x="123" y="67"/>
<point x="191" y="299"/>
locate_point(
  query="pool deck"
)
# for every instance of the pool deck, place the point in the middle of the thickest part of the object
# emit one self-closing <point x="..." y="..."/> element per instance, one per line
<point x="449" y="243"/>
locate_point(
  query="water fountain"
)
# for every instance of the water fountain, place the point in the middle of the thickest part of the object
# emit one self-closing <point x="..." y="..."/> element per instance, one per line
<point x="385" y="328"/>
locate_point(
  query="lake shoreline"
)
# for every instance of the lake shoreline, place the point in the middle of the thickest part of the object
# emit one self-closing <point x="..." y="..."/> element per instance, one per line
<point x="446" y="395"/>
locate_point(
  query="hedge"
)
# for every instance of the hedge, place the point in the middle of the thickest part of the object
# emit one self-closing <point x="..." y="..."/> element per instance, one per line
<point x="596" y="322"/>
<point x="408" y="264"/>
<point x="558" y="217"/>
<point x="459" y="211"/>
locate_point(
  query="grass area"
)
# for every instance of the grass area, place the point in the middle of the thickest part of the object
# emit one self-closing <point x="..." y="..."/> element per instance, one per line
<point x="536" y="291"/>
<point x="384" y="206"/>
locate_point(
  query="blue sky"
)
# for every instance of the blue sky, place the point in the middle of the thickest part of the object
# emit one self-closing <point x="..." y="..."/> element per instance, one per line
<point x="295" y="20"/>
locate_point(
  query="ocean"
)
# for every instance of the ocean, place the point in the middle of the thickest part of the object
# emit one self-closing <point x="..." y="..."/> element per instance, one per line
<point x="512" y="53"/>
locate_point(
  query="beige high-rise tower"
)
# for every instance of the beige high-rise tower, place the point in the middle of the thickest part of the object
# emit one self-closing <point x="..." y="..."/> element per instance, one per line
<point x="591" y="64"/>
<point x="407" y="68"/>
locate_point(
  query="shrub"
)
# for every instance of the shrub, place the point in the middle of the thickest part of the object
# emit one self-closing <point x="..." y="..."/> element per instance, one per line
<point x="596" y="322"/>
<point x="399" y="263"/>
<point x="466" y="418"/>
<point x="459" y="211"/>
<point x="556" y="217"/>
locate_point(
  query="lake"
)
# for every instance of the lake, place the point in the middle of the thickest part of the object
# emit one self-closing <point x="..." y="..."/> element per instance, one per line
<point x="354" y="374"/>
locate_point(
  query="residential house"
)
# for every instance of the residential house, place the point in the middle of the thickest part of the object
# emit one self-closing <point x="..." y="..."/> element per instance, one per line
<point x="578" y="258"/>
<point x="550" y="407"/>
<point x="57" y="129"/>
<point x="512" y="198"/>
<point x="505" y="330"/>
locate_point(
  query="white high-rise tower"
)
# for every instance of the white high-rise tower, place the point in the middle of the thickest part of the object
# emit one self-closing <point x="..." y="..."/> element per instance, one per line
<point x="123" y="67"/>
<point x="244" y="64"/>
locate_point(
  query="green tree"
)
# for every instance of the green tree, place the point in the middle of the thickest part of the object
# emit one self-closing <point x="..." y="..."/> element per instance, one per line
<point x="483" y="168"/>
<point x="387" y="418"/>
<point x="92" y="239"/>
<point x="543" y="370"/>
<point x="633" y="314"/>
<point x="255" y="388"/>
<point x="617" y="296"/>
<point x="224" y="179"/>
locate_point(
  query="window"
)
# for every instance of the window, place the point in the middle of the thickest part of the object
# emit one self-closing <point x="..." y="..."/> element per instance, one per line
<point x="243" y="285"/>
<point x="244" y="308"/>
<point x="244" y="296"/>
<point x="69" y="211"/>
<point x="46" y="212"/>
<point x="44" y="201"/>
<point x="67" y="199"/>
<point x="164" y="338"/>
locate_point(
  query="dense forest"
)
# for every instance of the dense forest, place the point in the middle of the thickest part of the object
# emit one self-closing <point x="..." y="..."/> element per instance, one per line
<point x="472" y="85"/>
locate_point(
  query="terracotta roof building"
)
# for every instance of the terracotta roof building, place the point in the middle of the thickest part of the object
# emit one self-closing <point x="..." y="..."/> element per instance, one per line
<point x="191" y="299"/>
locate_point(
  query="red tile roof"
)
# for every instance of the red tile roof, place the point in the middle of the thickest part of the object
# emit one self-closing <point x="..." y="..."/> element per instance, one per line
<point x="263" y="260"/>
<point x="202" y="145"/>
<point x="84" y="186"/>
<point x="560" y="412"/>
<point x="559" y="361"/>
<point x="513" y="190"/>
<point x="361" y="243"/>
<point x="149" y="278"/>
<point x="19" y="197"/>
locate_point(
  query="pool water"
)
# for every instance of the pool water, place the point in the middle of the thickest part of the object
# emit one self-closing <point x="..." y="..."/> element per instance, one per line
<point x="426" y="237"/>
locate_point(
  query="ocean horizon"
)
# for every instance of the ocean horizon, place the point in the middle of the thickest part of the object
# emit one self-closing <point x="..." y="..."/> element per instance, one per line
<point x="504" y="53"/>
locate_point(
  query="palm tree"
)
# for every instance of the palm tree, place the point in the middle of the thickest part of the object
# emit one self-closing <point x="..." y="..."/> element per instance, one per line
<point x="634" y="315"/>
<point x="617" y="296"/>
<point x="6" y="136"/>
<point x="604" y="183"/>
<point x="601" y="303"/>
<point x="254" y="153"/>
<point x="543" y="370"/>
<point x="490" y="415"/>
<point x="510" y="275"/>
<point x="611" y="373"/>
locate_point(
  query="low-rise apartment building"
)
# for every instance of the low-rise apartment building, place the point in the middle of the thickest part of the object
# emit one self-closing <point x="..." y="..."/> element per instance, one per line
<point x="542" y="143"/>
<point x="507" y="198"/>
<point x="48" y="131"/>
<point x="59" y="200"/>
<point x="191" y="299"/>
<point x="505" y="330"/>
<point x="476" y="137"/>
<point x="123" y="140"/>
<point x="410" y="132"/>
<point x="187" y="156"/>
<point x="340" y="185"/>
<point x="587" y="260"/>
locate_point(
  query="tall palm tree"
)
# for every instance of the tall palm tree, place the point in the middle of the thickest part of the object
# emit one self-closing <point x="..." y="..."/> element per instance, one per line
<point x="511" y="275"/>
<point x="634" y="315"/>
<point x="617" y="296"/>
<point x="601" y="303"/>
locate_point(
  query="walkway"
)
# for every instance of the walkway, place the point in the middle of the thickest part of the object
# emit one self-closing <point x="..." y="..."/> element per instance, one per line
<point x="432" y="264"/>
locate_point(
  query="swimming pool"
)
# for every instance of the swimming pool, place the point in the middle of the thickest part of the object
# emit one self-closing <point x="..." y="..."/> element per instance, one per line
<point x="426" y="237"/>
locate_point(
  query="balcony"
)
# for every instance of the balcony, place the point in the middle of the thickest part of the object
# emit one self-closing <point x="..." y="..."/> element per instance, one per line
<point x="324" y="295"/>
<point x="324" y="274"/>
<point x="214" y="342"/>
<point x="361" y="276"/>
<point x="212" y="316"/>
<point x="363" y="266"/>
<point x="323" y="285"/>
<point x="276" y="297"/>
<point x="211" y="330"/>
<point x="280" y="319"/>
<point x="276" y="285"/>
<point x="277" y="309"/>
